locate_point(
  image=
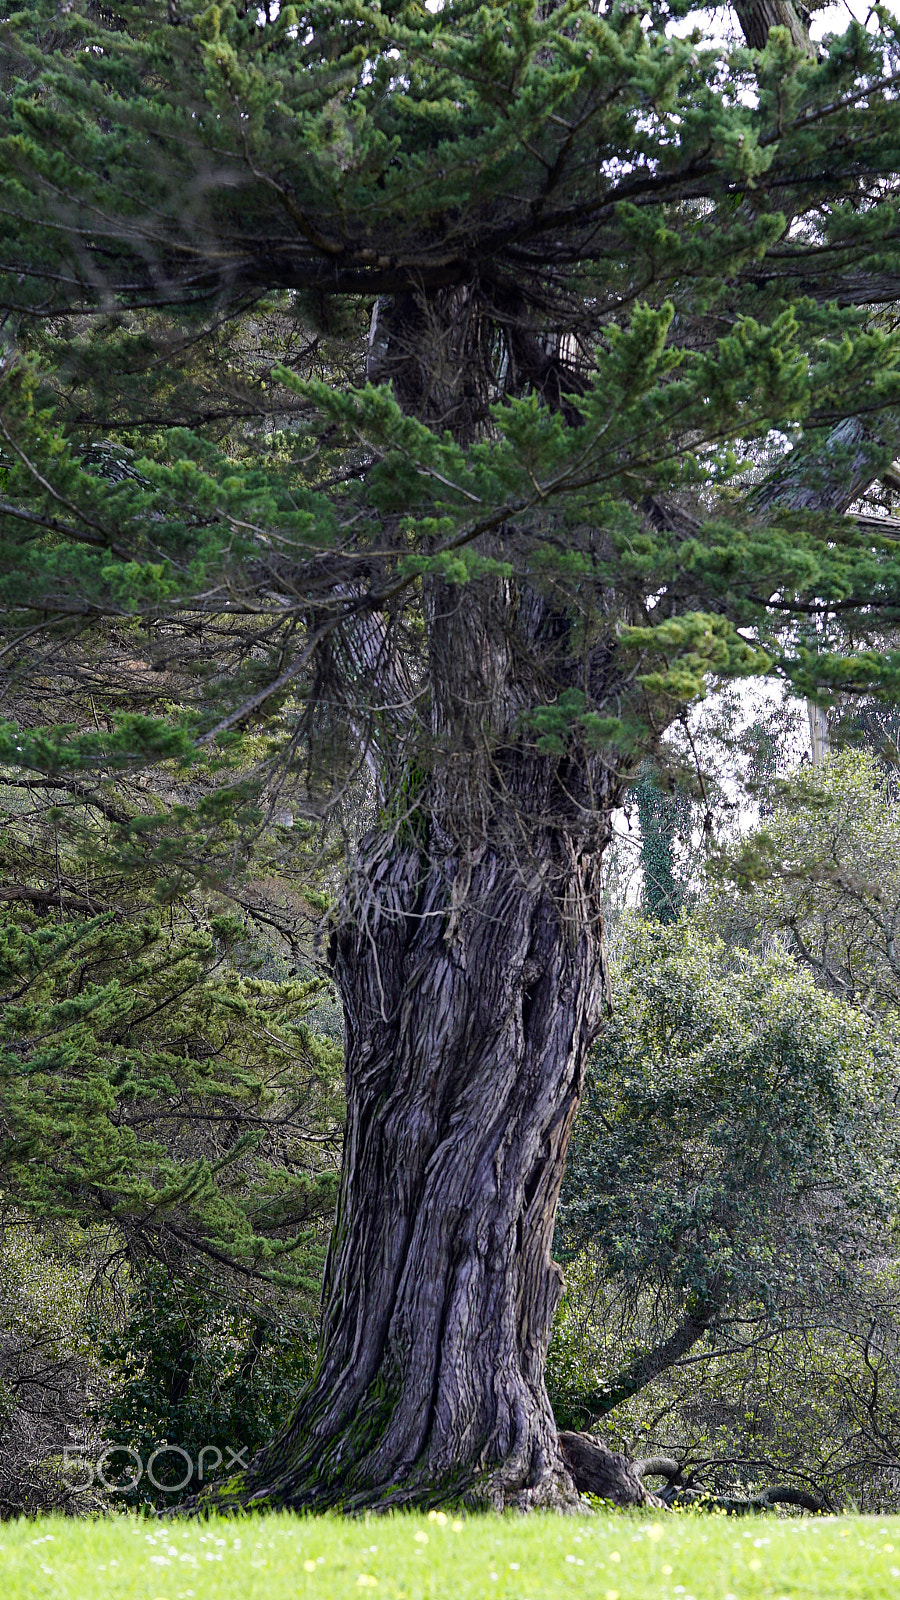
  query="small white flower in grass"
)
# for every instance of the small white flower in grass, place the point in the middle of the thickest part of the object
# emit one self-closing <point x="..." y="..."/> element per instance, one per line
<point x="366" y="1581"/>
<point x="667" y="1571"/>
<point x="493" y="1576"/>
<point x="309" y="1566"/>
<point x="755" y="1564"/>
<point x="614" y="1555"/>
<point x="612" y="1594"/>
<point x="514" y="1566"/>
<point x="420" y="1537"/>
<point x="654" y="1531"/>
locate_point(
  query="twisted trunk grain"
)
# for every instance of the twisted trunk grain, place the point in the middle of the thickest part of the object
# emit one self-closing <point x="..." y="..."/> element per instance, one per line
<point x="468" y="1021"/>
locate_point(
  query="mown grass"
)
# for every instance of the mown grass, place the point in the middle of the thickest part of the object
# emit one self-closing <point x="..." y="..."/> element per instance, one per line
<point x="447" y="1558"/>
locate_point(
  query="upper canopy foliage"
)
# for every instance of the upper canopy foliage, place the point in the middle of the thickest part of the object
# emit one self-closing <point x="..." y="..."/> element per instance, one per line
<point x="607" y="257"/>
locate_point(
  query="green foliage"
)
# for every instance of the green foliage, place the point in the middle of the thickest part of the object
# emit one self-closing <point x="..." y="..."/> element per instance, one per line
<point x="145" y="1082"/>
<point x="188" y="1370"/>
<point x="822" y="874"/>
<point x="726" y="1099"/>
<point x="733" y="1178"/>
<point x="677" y="192"/>
<point x="808" y="1399"/>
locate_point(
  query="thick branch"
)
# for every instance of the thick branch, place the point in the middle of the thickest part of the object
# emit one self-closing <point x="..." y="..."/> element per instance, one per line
<point x="48" y="899"/>
<point x="675" y="1493"/>
<point x="651" y="1363"/>
<point x="781" y="1495"/>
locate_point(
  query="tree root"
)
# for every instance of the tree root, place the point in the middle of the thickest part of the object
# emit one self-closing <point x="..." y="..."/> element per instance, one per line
<point x="679" y="1493"/>
<point x="597" y="1470"/>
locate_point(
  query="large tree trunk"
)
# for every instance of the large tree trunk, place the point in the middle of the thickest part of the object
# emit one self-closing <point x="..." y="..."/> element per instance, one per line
<point x="756" y="17"/>
<point x="469" y="957"/>
<point x="472" y="993"/>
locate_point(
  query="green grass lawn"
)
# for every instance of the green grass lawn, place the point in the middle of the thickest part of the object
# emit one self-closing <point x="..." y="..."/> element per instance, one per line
<point x="448" y="1558"/>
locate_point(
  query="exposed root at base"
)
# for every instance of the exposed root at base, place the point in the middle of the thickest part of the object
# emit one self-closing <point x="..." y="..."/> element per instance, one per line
<point x="597" y="1470"/>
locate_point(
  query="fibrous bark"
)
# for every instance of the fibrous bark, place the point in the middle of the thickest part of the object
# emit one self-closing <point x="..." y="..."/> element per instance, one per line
<point x="756" y="17"/>
<point x="605" y="1473"/>
<point x="471" y="993"/>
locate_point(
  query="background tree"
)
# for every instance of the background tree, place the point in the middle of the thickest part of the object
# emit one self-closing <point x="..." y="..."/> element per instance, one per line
<point x="821" y="875"/>
<point x="594" y="260"/>
<point x="731" y="1191"/>
<point x="664" y="815"/>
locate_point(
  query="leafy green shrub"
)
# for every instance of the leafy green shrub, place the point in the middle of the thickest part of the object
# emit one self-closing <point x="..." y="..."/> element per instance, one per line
<point x="210" y="1379"/>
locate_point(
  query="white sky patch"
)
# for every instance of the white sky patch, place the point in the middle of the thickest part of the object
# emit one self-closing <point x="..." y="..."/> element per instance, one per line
<point x="716" y="23"/>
